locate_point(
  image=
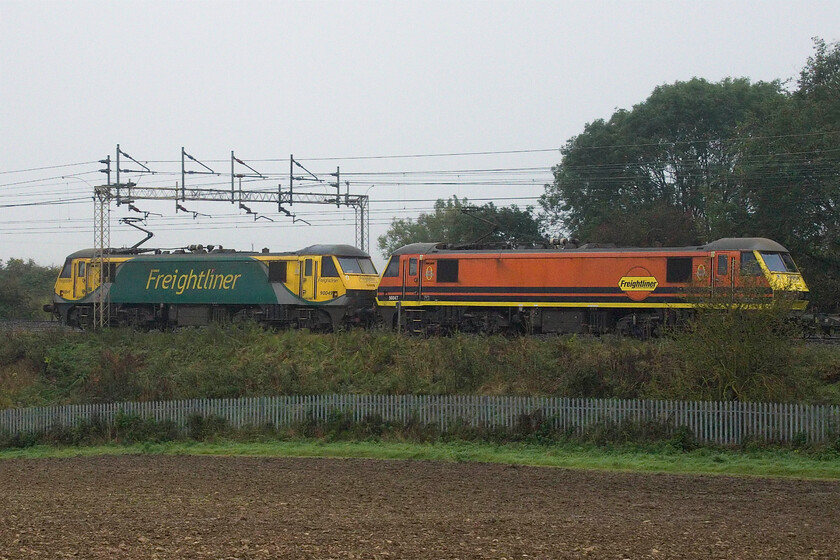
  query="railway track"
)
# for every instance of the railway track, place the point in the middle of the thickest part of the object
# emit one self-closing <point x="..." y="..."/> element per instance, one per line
<point x="811" y="335"/>
<point x="7" y="325"/>
<point x="821" y="328"/>
<point x="829" y="340"/>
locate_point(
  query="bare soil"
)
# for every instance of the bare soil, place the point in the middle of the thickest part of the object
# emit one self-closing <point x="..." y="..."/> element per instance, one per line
<point x="237" y="507"/>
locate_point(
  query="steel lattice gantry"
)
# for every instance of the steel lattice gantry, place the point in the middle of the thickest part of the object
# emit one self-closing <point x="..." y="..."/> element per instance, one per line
<point x="129" y="193"/>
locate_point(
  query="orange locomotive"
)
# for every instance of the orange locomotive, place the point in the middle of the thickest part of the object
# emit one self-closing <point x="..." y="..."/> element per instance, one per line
<point x="428" y="287"/>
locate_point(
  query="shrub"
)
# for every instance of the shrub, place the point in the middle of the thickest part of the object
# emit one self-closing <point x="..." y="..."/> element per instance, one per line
<point x="723" y="354"/>
<point x="683" y="439"/>
<point x="206" y="428"/>
<point x="737" y="352"/>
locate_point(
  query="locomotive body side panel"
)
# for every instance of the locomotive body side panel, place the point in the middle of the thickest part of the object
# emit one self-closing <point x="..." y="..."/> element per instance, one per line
<point x="549" y="280"/>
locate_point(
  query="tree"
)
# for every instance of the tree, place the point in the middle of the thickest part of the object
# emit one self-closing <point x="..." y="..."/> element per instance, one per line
<point x="790" y="169"/>
<point x="669" y="157"/>
<point x="455" y="221"/>
<point x="653" y="225"/>
<point x="24" y="288"/>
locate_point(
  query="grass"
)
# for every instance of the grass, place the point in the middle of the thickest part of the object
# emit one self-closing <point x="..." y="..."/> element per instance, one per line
<point x="658" y="459"/>
<point x="43" y="369"/>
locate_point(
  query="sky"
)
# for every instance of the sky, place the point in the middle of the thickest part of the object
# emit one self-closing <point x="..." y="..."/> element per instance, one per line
<point x="412" y="101"/>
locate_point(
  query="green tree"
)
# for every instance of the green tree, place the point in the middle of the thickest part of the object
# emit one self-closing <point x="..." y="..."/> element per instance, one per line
<point x="24" y="288"/>
<point x="790" y="169"/>
<point x="456" y="221"/>
<point x="661" y="173"/>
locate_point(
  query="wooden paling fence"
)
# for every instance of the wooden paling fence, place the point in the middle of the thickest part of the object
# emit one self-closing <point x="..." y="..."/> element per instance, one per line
<point x="723" y="423"/>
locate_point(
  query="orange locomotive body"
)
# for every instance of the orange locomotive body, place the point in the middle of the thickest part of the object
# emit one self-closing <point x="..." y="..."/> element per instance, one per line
<point x="431" y="287"/>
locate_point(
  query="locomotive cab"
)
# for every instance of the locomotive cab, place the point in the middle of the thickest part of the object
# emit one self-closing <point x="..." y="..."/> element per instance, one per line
<point x="757" y="263"/>
<point x="781" y="272"/>
<point x="332" y="277"/>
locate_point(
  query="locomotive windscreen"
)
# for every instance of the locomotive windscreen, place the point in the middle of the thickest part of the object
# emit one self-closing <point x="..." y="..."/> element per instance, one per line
<point x="353" y="265"/>
<point x="779" y="262"/>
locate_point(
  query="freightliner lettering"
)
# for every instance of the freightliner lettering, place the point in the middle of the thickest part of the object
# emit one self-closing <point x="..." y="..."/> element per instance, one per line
<point x="179" y="283"/>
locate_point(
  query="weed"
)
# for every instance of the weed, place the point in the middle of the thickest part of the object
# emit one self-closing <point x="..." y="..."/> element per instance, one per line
<point x="206" y="428"/>
<point x="723" y="355"/>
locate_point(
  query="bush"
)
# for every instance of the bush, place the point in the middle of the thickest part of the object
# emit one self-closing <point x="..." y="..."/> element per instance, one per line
<point x="683" y="439"/>
<point x="723" y="354"/>
<point x="737" y="352"/>
<point x="206" y="428"/>
<point x="130" y="428"/>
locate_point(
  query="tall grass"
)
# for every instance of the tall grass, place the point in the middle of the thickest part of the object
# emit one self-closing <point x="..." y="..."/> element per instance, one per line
<point x="718" y="357"/>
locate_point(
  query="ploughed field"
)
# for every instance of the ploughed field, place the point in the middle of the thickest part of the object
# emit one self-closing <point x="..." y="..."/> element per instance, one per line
<point x="237" y="507"/>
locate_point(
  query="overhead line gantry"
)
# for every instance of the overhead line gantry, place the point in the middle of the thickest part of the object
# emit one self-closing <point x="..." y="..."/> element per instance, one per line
<point x="129" y="192"/>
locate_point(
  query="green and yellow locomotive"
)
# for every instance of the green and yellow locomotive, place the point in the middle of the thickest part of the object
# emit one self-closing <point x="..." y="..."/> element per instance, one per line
<point x="322" y="287"/>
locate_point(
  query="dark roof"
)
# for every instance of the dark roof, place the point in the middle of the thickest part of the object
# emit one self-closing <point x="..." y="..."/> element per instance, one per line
<point x="83" y="254"/>
<point x="313" y="250"/>
<point x="90" y="253"/>
<point x="417" y="249"/>
<point x="745" y="244"/>
<point x="337" y="250"/>
<point x="726" y="244"/>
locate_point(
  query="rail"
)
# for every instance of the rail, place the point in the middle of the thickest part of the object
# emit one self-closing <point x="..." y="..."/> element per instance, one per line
<point x="32" y="325"/>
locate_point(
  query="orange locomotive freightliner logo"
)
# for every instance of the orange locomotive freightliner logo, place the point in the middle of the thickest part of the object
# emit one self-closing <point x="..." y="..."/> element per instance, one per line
<point x="638" y="283"/>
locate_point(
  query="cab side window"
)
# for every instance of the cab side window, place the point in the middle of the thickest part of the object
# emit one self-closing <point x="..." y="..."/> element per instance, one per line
<point x="412" y="267"/>
<point x="67" y="271"/>
<point x="723" y="265"/>
<point x="328" y="269"/>
<point x="80" y="271"/>
<point x="749" y="264"/>
<point x="678" y="269"/>
<point x="393" y="268"/>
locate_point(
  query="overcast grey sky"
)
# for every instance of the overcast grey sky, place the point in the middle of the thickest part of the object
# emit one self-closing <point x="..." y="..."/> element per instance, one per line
<point x="340" y="84"/>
